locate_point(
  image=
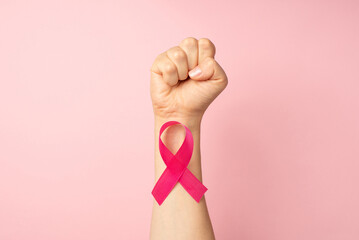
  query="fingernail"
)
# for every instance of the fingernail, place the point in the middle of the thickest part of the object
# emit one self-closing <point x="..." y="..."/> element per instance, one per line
<point x="195" y="72"/>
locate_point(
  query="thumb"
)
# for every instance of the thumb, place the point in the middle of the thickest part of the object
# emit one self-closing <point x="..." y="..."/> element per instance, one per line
<point x="208" y="69"/>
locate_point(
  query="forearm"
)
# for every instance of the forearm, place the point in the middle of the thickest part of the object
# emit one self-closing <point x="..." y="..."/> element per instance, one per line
<point x="180" y="216"/>
<point x="185" y="79"/>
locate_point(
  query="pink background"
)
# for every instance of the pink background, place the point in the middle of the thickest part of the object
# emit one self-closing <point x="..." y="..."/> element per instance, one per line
<point x="279" y="146"/>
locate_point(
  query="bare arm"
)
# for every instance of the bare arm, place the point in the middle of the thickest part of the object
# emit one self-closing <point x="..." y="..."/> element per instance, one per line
<point x="176" y="97"/>
<point x="180" y="216"/>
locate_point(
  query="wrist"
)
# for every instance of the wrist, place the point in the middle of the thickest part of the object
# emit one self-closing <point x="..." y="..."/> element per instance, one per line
<point x="193" y="123"/>
<point x="173" y="138"/>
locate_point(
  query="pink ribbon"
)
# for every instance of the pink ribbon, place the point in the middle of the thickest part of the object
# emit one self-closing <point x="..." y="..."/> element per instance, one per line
<point x="176" y="170"/>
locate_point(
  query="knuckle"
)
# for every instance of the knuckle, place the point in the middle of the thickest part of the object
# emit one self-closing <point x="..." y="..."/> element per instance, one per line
<point x="158" y="59"/>
<point x="169" y="67"/>
<point x="211" y="62"/>
<point x="205" y="43"/>
<point x="188" y="42"/>
<point x="179" y="54"/>
<point x="155" y="64"/>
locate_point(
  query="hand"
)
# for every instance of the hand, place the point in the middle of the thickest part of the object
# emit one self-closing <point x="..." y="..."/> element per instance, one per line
<point x="179" y="94"/>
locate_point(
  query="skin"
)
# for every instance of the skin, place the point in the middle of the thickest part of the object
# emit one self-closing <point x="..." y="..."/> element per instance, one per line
<point x="178" y="95"/>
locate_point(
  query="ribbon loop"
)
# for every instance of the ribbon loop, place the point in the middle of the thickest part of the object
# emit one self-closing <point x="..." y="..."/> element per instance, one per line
<point x="176" y="170"/>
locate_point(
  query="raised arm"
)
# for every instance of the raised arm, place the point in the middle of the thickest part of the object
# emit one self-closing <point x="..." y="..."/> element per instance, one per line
<point x="183" y="96"/>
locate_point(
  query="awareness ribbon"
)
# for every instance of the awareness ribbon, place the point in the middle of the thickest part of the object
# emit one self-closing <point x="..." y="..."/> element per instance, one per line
<point x="176" y="170"/>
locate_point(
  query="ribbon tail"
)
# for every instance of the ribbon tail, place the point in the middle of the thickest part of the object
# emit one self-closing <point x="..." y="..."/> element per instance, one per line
<point x="192" y="185"/>
<point x="164" y="185"/>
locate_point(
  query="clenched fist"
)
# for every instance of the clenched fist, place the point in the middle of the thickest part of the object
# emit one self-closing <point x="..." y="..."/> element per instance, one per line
<point x="185" y="79"/>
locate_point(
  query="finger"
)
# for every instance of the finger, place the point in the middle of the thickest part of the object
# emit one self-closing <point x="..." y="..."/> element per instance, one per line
<point x="165" y="67"/>
<point x="209" y="69"/>
<point x="179" y="58"/>
<point x="190" y="46"/>
<point x="205" y="49"/>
